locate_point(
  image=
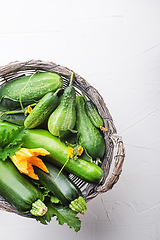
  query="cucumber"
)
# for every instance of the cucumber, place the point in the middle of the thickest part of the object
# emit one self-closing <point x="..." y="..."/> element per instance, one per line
<point x="28" y="89"/>
<point x="42" y="110"/>
<point x="39" y="138"/>
<point x="93" y="114"/>
<point x="60" y="185"/>
<point x="64" y="117"/>
<point x="89" y="136"/>
<point x="17" y="190"/>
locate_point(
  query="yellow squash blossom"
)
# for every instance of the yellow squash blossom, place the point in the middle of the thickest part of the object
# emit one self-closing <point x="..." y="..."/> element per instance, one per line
<point x="80" y="151"/>
<point x="105" y="129"/>
<point x="24" y="159"/>
<point x="29" y="110"/>
<point x="70" y="152"/>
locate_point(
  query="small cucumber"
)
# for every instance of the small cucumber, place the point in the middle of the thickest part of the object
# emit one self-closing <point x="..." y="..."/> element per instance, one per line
<point x="39" y="138"/>
<point x="89" y="136"/>
<point x="42" y="110"/>
<point x="27" y="90"/>
<point x="64" y="117"/>
<point x="60" y="185"/>
<point x="17" y="190"/>
<point x="93" y="114"/>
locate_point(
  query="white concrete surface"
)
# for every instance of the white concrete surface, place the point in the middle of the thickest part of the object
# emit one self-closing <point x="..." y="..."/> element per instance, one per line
<point x="115" y="46"/>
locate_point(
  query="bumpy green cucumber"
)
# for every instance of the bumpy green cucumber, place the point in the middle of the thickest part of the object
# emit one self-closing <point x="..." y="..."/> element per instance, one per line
<point x="59" y="184"/>
<point x="93" y="114"/>
<point x="17" y="190"/>
<point x="28" y="89"/>
<point x="38" y="138"/>
<point x="89" y="136"/>
<point x="42" y="110"/>
<point x="64" y="117"/>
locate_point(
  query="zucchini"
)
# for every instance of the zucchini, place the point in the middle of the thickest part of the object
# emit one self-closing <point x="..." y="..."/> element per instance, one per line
<point x="42" y="110"/>
<point x="89" y="136"/>
<point x="60" y="185"/>
<point x="39" y="138"/>
<point x="17" y="190"/>
<point x="64" y="117"/>
<point x="28" y="89"/>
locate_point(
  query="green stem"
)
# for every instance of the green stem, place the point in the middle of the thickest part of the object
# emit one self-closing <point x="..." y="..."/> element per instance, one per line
<point x="71" y="80"/>
<point x="18" y="111"/>
<point x="14" y="112"/>
<point x="78" y="205"/>
<point x="61" y="169"/>
<point x="57" y="91"/>
<point x="38" y="208"/>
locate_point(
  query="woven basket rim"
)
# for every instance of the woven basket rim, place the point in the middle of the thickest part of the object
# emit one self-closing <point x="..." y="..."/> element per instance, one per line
<point x="115" y="149"/>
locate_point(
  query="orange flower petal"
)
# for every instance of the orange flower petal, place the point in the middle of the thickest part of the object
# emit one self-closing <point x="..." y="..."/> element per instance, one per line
<point x="105" y="129"/>
<point x="20" y="164"/>
<point x="38" y="151"/>
<point x="31" y="172"/>
<point x="38" y="163"/>
<point x="24" y="159"/>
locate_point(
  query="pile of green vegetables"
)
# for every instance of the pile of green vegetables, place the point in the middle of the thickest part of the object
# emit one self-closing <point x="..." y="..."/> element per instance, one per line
<point x="38" y="111"/>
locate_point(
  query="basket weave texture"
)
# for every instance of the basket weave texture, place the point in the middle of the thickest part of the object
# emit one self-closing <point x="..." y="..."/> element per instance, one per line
<point x="115" y="151"/>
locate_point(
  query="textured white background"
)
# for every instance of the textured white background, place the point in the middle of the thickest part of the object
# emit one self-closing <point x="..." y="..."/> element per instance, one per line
<point x="115" y="46"/>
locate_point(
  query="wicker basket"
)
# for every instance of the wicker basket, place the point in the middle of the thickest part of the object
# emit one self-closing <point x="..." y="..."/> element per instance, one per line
<point x="115" y="152"/>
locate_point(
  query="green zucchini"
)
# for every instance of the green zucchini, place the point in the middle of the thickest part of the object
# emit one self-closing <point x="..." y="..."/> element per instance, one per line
<point x="59" y="184"/>
<point x="28" y="89"/>
<point x="39" y="138"/>
<point x="42" y="110"/>
<point x="17" y="190"/>
<point x="89" y="136"/>
<point x="64" y="117"/>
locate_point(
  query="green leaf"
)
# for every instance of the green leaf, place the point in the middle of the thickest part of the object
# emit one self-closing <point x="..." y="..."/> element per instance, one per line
<point x="63" y="215"/>
<point x="11" y="137"/>
<point x="14" y="118"/>
<point x="54" y="199"/>
<point x="86" y="156"/>
<point x="66" y="215"/>
<point x="68" y="136"/>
